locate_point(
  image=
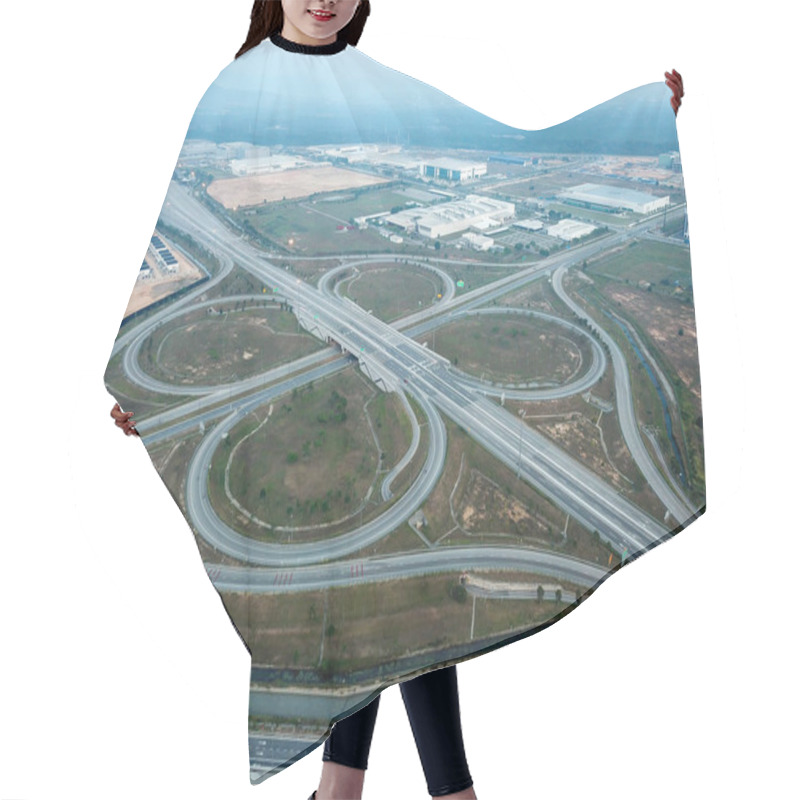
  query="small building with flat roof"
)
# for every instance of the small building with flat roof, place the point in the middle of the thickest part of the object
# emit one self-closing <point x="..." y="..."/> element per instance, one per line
<point x="569" y="229"/>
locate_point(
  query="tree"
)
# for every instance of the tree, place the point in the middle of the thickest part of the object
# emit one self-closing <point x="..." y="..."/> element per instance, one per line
<point x="457" y="592"/>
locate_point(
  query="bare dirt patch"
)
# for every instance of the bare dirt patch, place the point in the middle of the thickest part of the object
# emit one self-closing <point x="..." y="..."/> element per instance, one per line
<point x="290" y="184"/>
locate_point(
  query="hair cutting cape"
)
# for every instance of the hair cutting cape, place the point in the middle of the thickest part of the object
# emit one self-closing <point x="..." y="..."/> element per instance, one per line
<point x="419" y="381"/>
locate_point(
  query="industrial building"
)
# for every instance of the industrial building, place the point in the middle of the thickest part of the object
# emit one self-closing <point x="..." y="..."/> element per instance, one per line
<point x="452" y="169"/>
<point x="263" y="165"/>
<point x="163" y="256"/>
<point x="477" y="241"/>
<point x="569" y="229"/>
<point x="529" y="224"/>
<point x="670" y="160"/>
<point x="391" y="156"/>
<point x="516" y="161"/>
<point x="444" y="219"/>
<point x="612" y="198"/>
<point x="202" y="153"/>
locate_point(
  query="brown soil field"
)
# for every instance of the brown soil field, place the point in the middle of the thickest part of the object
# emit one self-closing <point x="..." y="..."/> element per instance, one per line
<point x="253" y="190"/>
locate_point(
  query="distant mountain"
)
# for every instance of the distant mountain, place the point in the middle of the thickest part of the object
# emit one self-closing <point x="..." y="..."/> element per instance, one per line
<point x="270" y="96"/>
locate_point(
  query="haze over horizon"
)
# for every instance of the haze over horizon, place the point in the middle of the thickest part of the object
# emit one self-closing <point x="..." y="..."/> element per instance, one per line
<point x="269" y="96"/>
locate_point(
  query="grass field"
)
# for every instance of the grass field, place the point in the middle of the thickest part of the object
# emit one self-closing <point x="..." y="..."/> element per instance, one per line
<point x="369" y="625"/>
<point x="543" y="184"/>
<point x="594" y="438"/>
<point x="591" y="215"/>
<point x="658" y="322"/>
<point x="315" y="461"/>
<point x="301" y="230"/>
<point x="512" y="348"/>
<point x="646" y="260"/>
<point x="363" y="203"/>
<point x="478" y="500"/>
<point x="133" y="397"/>
<point x="210" y="348"/>
<point x="478" y="274"/>
<point x="394" y="292"/>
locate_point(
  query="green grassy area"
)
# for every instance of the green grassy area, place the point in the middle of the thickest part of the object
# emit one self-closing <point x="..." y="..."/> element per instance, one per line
<point x="135" y="398"/>
<point x="664" y="322"/>
<point x="236" y="341"/>
<point x="321" y="458"/>
<point x="238" y="281"/>
<point x="391" y="425"/>
<point x="479" y="500"/>
<point x="655" y="262"/>
<point x="301" y="231"/>
<point x="537" y="294"/>
<point x="512" y="348"/>
<point x="394" y="292"/>
<point x="314" y="461"/>
<point x="368" y="625"/>
<point x="363" y="203"/>
<point x="478" y="274"/>
<point x="600" y="217"/>
<point x="647" y="405"/>
<point x="674" y="225"/>
<point x="544" y="183"/>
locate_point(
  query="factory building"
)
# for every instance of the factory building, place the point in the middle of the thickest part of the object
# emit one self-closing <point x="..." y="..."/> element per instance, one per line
<point x="612" y="198"/>
<point x="516" y="161"/>
<point x="665" y="160"/>
<point x="670" y="160"/>
<point x="444" y="219"/>
<point x="478" y="242"/>
<point x="201" y="152"/>
<point x="569" y="229"/>
<point x="529" y="224"/>
<point x="452" y="169"/>
<point x="263" y="165"/>
<point x="242" y="149"/>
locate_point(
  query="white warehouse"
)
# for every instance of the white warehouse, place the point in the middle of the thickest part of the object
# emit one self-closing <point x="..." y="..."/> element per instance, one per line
<point x="615" y="198"/>
<point x="478" y="242"/>
<point x="452" y="169"/>
<point x="569" y="229"/>
<point x="474" y="211"/>
<point x="263" y="165"/>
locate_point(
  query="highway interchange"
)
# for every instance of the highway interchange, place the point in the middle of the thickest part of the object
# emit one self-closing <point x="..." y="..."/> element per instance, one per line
<point x="394" y="360"/>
